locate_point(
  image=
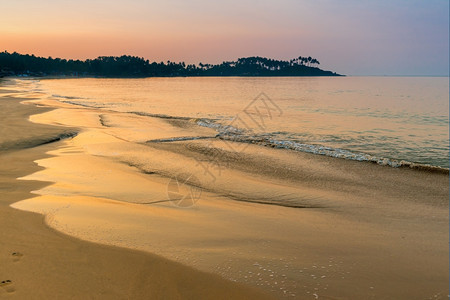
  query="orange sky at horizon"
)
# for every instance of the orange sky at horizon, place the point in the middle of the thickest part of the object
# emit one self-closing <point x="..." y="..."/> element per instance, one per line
<point x="356" y="37"/>
<point x="128" y="31"/>
<point x="91" y="46"/>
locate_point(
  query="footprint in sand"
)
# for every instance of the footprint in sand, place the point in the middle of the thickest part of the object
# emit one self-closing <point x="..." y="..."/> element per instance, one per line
<point x="16" y="256"/>
<point x="7" y="285"/>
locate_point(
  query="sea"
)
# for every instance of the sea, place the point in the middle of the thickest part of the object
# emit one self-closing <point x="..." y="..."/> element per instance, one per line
<point x="184" y="168"/>
<point x="393" y="121"/>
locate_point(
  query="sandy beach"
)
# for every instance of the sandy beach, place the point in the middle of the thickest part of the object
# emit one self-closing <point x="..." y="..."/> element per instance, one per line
<point x="273" y="223"/>
<point x="224" y="150"/>
<point x="38" y="262"/>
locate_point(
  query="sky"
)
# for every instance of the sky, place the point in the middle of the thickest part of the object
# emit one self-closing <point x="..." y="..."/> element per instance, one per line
<point x="352" y="37"/>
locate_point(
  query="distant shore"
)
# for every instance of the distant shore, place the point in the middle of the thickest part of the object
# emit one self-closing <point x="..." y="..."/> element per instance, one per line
<point x="137" y="67"/>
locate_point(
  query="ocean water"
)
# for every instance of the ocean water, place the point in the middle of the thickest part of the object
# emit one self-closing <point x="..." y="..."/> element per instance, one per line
<point x="388" y="120"/>
<point x="149" y="167"/>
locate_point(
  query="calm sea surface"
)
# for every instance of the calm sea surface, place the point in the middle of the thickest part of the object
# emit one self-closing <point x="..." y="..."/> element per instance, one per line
<point x="363" y="118"/>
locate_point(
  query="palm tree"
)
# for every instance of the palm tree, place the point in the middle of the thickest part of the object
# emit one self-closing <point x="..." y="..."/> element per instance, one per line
<point x="304" y="60"/>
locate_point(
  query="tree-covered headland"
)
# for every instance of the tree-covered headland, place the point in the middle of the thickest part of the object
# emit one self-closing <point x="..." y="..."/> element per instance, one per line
<point x="15" y="64"/>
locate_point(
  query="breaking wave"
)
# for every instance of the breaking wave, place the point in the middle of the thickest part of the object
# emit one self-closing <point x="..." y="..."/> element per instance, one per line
<point x="230" y="133"/>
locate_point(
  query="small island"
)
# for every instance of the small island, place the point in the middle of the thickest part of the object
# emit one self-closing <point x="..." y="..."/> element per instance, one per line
<point x="16" y="64"/>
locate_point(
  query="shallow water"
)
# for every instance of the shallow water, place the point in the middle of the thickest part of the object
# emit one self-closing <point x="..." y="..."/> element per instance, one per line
<point x="363" y="118"/>
<point x="334" y="228"/>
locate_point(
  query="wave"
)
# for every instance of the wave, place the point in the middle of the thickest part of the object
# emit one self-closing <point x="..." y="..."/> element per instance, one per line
<point x="230" y="133"/>
<point x="67" y="97"/>
<point x="82" y="104"/>
<point x="160" y="116"/>
<point x="182" y="138"/>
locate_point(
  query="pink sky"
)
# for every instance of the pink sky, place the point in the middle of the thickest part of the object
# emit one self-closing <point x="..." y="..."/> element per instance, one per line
<point x="360" y="37"/>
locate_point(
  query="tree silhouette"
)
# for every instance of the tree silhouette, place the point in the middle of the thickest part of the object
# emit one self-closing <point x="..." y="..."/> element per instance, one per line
<point x="132" y="66"/>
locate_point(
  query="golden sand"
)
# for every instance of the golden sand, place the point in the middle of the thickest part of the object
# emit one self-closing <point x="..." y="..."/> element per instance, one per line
<point x="285" y="223"/>
<point x="37" y="262"/>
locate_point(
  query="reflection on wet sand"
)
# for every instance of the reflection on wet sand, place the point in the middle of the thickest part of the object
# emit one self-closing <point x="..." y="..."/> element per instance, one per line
<point x="290" y="223"/>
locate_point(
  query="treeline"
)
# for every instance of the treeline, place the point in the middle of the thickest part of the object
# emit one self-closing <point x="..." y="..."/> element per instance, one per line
<point x="15" y="64"/>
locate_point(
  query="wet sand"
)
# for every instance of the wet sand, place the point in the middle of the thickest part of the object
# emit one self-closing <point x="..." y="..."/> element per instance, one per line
<point x="37" y="262"/>
<point x="286" y="223"/>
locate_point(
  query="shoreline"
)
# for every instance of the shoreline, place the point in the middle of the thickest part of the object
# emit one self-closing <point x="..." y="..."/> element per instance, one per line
<point x="40" y="262"/>
<point x="364" y="225"/>
<point x="226" y="132"/>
